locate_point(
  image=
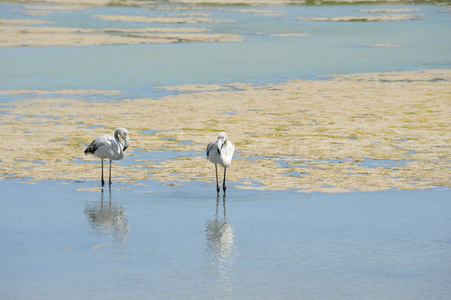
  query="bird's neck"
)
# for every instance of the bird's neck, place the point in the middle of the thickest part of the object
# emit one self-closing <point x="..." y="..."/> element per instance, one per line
<point x="118" y="140"/>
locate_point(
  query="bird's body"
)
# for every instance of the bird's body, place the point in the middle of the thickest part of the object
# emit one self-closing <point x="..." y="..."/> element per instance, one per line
<point x="221" y="152"/>
<point x="220" y="156"/>
<point x="109" y="147"/>
<point x="106" y="147"/>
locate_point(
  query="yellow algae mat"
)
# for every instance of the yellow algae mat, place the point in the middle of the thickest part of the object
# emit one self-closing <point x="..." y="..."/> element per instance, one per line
<point x="361" y="132"/>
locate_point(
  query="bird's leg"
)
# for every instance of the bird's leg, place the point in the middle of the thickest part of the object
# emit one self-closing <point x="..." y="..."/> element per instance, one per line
<point x="223" y="182"/>
<point x="217" y="184"/>
<point x="110" y="172"/>
<point x="103" y="182"/>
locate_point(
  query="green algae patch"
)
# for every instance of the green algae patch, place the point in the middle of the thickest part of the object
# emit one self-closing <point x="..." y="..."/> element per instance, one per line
<point x="359" y="132"/>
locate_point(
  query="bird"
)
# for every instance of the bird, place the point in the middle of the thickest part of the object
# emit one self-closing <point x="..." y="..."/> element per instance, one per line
<point x="221" y="152"/>
<point x="108" y="147"/>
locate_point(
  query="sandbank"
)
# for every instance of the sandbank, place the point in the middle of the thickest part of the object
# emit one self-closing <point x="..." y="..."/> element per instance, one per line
<point x="177" y="19"/>
<point x="261" y="12"/>
<point x="401" y="10"/>
<point x="43" y="36"/>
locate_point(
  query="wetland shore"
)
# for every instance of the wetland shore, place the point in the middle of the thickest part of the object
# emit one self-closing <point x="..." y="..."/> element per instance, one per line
<point x="359" y="132"/>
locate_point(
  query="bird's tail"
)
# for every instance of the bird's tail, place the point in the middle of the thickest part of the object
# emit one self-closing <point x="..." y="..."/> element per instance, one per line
<point x="90" y="149"/>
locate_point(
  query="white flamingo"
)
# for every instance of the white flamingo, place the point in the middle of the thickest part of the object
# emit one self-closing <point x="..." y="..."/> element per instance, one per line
<point x="221" y="152"/>
<point x="107" y="147"/>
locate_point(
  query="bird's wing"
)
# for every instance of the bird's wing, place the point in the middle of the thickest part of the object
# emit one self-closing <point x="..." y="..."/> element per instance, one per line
<point x="210" y="146"/>
<point x="232" y="147"/>
<point x="101" y="141"/>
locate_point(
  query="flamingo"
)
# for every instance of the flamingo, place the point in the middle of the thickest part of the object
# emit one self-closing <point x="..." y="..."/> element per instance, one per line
<point x="221" y="152"/>
<point x="107" y="147"/>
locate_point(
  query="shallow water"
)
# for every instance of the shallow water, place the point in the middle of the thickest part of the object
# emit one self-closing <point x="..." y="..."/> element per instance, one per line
<point x="179" y="242"/>
<point x="334" y="47"/>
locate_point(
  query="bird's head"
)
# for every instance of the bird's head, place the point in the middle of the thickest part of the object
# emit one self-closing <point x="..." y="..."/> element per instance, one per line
<point x="222" y="139"/>
<point x="124" y="134"/>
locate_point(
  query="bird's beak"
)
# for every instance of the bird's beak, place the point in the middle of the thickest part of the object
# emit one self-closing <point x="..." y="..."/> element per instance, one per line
<point x="220" y="143"/>
<point x="127" y="143"/>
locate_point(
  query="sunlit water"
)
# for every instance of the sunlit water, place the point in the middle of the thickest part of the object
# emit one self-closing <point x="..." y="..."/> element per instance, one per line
<point x="181" y="242"/>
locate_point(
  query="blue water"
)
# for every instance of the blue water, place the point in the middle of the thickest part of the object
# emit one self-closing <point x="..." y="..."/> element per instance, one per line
<point x="180" y="243"/>
<point x="334" y="47"/>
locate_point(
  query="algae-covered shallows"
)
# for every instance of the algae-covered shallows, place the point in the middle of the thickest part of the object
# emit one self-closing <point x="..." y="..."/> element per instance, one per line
<point x="303" y="135"/>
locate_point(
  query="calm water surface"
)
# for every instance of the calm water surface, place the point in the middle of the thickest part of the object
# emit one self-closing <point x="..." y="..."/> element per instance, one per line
<point x="182" y="242"/>
<point x="334" y="47"/>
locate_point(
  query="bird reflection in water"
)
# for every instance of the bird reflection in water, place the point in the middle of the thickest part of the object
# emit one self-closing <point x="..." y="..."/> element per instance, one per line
<point x="108" y="219"/>
<point x="221" y="248"/>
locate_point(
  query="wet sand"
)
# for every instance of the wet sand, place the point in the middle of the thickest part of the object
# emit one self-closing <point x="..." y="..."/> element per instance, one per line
<point x="360" y="132"/>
